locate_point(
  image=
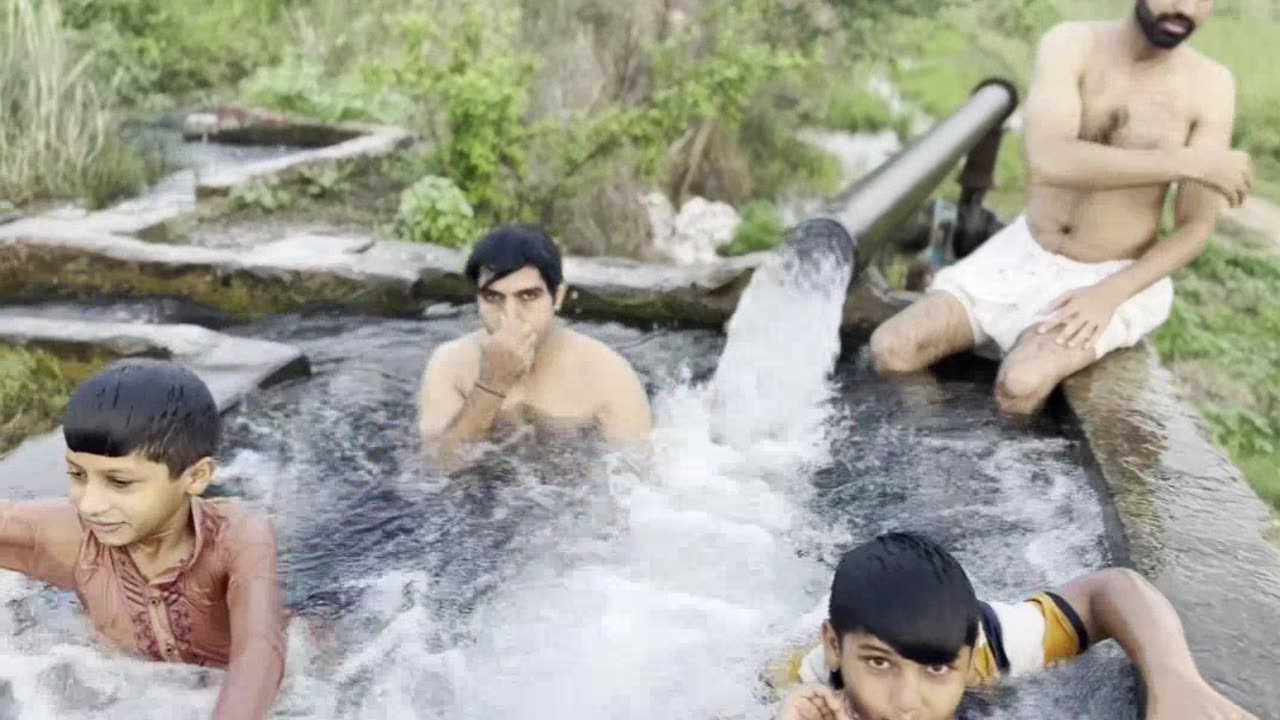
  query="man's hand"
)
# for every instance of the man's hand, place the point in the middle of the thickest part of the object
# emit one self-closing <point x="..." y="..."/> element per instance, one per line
<point x="1082" y="315"/>
<point x="1229" y="172"/>
<point x="813" y="702"/>
<point x="1192" y="699"/>
<point x="506" y="356"/>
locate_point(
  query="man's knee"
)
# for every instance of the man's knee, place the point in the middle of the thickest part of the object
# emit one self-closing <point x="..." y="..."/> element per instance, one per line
<point x="1021" y="389"/>
<point x="893" y="350"/>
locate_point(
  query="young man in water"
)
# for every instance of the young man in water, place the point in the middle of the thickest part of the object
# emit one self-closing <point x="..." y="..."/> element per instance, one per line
<point x="523" y="358"/>
<point x="1117" y="113"/>
<point x="161" y="572"/>
<point x="906" y="637"/>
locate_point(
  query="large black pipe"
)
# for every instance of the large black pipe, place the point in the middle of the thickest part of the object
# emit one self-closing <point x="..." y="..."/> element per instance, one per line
<point x="880" y="204"/>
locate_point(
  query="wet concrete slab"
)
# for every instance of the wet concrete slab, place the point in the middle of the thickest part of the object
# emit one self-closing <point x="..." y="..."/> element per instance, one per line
<point x="380" y="142"/>
<point x="1188" y="520"/>
<point x="67" y="258"/>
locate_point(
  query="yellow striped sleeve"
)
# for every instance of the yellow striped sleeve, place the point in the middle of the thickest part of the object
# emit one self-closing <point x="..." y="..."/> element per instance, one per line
<point x="1064" y="634"/>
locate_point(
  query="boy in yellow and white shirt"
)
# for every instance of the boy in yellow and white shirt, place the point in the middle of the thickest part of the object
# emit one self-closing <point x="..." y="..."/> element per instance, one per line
<point x="906" y="637"/>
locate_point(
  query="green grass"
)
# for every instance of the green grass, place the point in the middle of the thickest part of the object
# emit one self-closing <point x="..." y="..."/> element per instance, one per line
<point x="34" y="389"/>
<point x="1222" y="340"/>
<point x="760" y="229"/>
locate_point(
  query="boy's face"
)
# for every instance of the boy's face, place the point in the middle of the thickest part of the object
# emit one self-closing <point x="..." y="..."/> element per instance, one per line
<point x="880" y="684"/>
<point x="123" y="500"/>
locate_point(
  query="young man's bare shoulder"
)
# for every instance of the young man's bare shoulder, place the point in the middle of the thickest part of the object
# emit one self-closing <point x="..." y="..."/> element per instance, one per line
<point x="1209" y="73"/>
<point x="596" y="355"/>
<point x="1073" y="34"/>
<point x="459" y="352"/>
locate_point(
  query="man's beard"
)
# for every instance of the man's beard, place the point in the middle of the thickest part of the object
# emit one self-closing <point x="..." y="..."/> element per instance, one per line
<point x="1156" y="34"/>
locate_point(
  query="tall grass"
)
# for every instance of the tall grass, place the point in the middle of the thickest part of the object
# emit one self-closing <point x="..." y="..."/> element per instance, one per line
<point x="57" y="136"/>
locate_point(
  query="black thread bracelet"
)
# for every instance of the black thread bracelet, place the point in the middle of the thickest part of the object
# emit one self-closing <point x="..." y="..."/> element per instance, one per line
<point x="491" y="391"/>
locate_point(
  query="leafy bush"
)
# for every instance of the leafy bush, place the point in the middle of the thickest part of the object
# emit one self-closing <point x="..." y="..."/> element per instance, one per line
<point x="150" y="49"/>
<point x="761" y="229"/>
<point x="301" y="86"/>
<point x="325" y="181"/>
<point x="435" y="210"/>
<point x="854" y="109"/>
<point x="264" y="196"/>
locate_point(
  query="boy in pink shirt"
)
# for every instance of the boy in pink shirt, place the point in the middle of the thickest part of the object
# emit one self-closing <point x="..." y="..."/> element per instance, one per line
<point x="162" y="572"/>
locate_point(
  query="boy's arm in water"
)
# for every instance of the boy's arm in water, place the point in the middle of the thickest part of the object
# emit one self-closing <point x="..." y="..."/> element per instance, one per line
<point x="1197" y="208"/>
<point x="1120" y="604"/>
<point x="1057" y="157"/>
<point x="255" y="666"/>
<point x="40" y="539"/>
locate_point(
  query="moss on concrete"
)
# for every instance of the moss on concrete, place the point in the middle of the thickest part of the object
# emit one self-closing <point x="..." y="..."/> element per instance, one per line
<point x="35" y="386"/>
<point x="67" y="273"/>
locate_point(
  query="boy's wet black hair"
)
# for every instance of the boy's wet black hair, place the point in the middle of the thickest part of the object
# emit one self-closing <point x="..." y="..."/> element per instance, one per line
<point x="508" y="248"/>
<point x="156" y="408"/>
<point x="908" y="592"/>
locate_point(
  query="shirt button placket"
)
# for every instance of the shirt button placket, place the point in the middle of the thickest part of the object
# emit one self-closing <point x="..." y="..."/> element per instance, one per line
<point x="159" y="613"/>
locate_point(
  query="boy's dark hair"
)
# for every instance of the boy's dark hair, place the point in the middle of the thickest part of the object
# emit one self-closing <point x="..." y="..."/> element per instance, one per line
<point x="508" y="248"/>
<point x="153" y="407"/>
<point x="910" y="593"/>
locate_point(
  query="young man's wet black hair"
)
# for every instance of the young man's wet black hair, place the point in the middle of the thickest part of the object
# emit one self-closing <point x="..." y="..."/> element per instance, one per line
<point x="508" y="248"/>
<point x="910" y="593"/>
<point x="155" y="408"/>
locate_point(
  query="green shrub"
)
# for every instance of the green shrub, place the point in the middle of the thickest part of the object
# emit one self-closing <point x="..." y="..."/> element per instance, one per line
<point x="325" y="181"/>
<point x="301" y="86"/>
<point x="855" y="109"/>
<point x="761" y="229"/>
<point x="151" y="50"/>
<point x="435" y="210"/>
<point x="265" y="196"/>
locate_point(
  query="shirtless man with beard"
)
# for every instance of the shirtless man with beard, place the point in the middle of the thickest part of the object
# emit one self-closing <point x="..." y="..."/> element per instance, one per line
<point x="1118" y="113"/>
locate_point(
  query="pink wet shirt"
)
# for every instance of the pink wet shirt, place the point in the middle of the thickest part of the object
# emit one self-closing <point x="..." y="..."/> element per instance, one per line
<point x="218" y="608"/>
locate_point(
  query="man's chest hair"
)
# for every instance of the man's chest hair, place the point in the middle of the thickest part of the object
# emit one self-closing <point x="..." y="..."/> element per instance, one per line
<point x="1137" y="110"/>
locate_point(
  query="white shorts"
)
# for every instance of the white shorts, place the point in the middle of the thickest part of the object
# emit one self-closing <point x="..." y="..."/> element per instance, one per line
<point x="1007" y="284"/>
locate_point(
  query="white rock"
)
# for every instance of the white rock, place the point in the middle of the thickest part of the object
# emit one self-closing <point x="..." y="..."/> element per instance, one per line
<point x="700" y="228"/>
<point x="198" y="124"/>
<point x="662" y="216"/>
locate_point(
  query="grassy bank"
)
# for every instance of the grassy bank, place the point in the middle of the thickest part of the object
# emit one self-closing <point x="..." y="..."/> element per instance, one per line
<point x="34" y="389"/>
<point x="1224" y="334"/>
<point x="1222" y="341"/>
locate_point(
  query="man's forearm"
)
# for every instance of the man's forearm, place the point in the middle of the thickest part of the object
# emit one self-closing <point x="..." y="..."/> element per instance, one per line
<point x="475" y="419"/>
<point x="1085" y="165"/>
<point x="1163" y="259"/>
